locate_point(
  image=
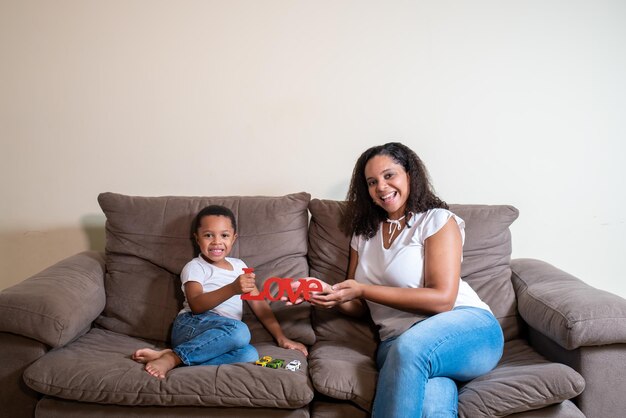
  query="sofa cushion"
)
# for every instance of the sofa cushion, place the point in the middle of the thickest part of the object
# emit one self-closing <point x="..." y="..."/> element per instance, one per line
<point x="59" y="303"/>
<point x="566" y="309"/>
<point x="522" y="381"/>
<point x="97" y="368"/>
<point x="341" y="363"/>
<point x="486" y="253"/>
<point x="148" y="241"/>
<point x="487" y="257"/>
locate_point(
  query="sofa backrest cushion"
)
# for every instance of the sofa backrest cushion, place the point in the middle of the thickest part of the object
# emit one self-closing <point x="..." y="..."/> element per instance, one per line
<point x="148" y="241"/>
<point x="486" y="253"/>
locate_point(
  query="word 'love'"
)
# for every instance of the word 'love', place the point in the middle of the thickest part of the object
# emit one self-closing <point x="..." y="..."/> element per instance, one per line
<point x="284" y="288"/>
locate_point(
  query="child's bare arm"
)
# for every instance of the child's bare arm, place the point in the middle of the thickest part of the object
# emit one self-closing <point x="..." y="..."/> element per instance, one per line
<point x="265" y="315"/>
<point x="200" y="301"/>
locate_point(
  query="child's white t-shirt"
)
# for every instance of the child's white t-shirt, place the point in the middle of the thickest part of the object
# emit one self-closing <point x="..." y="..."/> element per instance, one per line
<point x="402" y="265"/>
<point x="212" y="278"/>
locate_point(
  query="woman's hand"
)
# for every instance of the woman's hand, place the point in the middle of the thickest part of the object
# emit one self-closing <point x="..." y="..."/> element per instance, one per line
<point x="293" y="345"/>
<point x="340" y="293"/>
<point x="295" y="284"/>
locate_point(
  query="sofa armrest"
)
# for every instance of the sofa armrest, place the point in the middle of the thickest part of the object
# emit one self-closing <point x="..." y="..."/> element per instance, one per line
<point x="564" y="308"/>
<point x="17" y="353"/>
<point x="58" y="304"/>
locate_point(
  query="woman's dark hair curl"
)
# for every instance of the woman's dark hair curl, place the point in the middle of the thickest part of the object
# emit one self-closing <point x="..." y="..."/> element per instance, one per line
<point x="363" y="217"/>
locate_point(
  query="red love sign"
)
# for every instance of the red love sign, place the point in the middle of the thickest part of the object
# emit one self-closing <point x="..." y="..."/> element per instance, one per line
<point x="284" y="288"/>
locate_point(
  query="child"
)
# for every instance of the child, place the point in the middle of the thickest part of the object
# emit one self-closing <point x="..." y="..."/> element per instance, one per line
<point x="208" y="330"/>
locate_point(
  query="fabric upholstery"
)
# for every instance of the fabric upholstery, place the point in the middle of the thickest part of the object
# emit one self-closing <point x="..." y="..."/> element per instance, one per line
<point x="523" y="380"/>
<point x="604" y="369"/>
<point x="341" y="363"/>
<point x="60" y="408"/>
<point x="569" y="311"/>
<point x="148" y="241"/>
<point x="486" y="259"/>
<point x="17" y="352"/>
<point x="57" y="304"/>
<point x="97" y="368"/>
<point x="329" y="243"/>
<point x="327" y="408"/>
<point x="565" y="409"/>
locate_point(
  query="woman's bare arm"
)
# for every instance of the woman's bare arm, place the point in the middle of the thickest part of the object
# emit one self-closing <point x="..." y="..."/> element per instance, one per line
<point x="442" y="269"/>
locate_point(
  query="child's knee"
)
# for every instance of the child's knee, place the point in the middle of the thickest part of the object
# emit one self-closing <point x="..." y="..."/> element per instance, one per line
<point x="241" y="334"/>
<point x="250" y="354"/>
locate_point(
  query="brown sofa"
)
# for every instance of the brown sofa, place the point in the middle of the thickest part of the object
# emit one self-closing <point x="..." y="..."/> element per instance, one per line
<point x="66" y="334"/>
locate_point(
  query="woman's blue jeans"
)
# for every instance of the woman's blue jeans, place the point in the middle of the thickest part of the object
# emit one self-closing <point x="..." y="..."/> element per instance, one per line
<point x="418" y="369"/>
<point x="210" y="339"/>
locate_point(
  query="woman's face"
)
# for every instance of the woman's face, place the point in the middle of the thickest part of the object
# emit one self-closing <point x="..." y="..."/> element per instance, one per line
<point x="388" y="184"/>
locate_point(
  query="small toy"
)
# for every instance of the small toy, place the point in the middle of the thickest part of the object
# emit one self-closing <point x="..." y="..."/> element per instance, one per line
<point x="263" y="361"/>
<point x="293" y="365"/>
<point x="277" y="363"/>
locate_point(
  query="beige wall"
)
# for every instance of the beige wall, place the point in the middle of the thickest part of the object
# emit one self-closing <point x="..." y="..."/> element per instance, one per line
<point x="518" y="102"/>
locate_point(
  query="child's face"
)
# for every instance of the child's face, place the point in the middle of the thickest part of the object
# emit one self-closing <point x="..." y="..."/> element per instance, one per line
<point x="215" y="237"/>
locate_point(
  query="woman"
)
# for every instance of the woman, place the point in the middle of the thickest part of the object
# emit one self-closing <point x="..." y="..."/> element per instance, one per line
<point x="405" y="266"/>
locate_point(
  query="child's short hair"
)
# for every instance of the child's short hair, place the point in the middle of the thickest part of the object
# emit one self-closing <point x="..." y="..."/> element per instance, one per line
<point x="217" y="210"/>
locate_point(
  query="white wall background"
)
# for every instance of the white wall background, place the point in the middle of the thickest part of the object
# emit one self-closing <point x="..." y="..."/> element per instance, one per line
<point x="516" y="102"/>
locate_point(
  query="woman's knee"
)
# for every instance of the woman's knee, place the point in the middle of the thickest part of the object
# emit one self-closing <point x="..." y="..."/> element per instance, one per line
<point x="440" y="398"/>
<point x="405" y="347"/>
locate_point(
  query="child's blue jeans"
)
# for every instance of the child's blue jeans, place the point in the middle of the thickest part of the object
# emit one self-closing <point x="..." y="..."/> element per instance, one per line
<point x="211" y="339"/>
<point x="417" y="368"/>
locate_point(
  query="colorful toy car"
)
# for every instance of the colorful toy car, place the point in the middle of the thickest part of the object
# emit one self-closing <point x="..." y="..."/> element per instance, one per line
<point x="277" y="363"/>
<point x="263" y="361"/>
<point x="293" y="365"/>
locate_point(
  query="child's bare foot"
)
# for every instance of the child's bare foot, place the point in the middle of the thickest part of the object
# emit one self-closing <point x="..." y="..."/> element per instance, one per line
<point x="160" y="366"/>
<point x="145" y="355"/>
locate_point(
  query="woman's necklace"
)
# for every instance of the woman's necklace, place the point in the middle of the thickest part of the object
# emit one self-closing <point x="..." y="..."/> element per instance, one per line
<point x="394" y="225"/>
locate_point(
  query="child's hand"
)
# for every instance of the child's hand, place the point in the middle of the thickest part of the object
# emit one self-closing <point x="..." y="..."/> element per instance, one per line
<point x="245" y="283"/>
<point x="293" y="345"/>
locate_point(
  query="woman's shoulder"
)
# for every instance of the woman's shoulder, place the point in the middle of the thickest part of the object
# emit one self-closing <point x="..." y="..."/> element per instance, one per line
<point x="432" y="215"/>
<point x="432" y="220"/>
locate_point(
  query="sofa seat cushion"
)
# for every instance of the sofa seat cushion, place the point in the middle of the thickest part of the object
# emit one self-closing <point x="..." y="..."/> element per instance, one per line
<point x="522" y="381"/>
<point x="341" y="362"/>
<point x="97" y="368"/>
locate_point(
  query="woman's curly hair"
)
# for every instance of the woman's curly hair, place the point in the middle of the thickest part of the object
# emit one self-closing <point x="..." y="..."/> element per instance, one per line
<point x="363" y="217"/>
